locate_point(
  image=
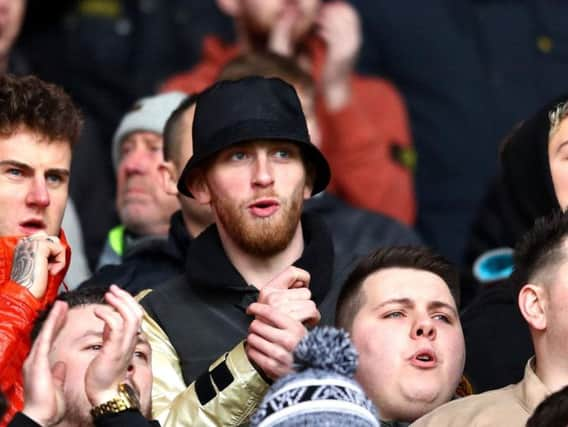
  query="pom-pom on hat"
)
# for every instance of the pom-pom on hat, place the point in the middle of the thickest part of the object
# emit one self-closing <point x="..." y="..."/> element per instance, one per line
<point x="322" y="391"/>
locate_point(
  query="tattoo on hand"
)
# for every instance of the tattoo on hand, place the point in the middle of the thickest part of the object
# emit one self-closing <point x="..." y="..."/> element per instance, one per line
<point x="23" y="267"/>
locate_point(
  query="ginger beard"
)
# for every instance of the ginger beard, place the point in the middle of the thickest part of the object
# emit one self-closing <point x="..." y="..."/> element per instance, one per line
<point x="261" y="236"/>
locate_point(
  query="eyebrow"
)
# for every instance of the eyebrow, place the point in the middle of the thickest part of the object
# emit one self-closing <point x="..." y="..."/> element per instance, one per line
<point x="28" y="168"/>
<point x="440" y="304"/>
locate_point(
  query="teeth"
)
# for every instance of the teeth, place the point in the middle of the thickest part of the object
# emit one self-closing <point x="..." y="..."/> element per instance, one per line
<point x="424" y="358"/>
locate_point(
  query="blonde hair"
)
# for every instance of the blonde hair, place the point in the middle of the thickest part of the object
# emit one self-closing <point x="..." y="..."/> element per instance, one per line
<point x="556" y="115"/>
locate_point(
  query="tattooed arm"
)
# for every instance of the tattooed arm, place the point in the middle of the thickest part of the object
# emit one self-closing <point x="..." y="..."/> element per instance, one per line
<point x="36" y="257"/>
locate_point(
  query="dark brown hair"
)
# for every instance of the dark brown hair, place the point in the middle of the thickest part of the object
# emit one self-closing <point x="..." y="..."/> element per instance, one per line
<point x="44" y="108"/>
<point x="540" y="251"/>
<point x="267" y="64"/>
<point x="351" y="297"/>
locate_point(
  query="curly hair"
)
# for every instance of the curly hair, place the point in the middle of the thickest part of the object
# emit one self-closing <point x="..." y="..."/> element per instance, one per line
<point x="30" y="103"/>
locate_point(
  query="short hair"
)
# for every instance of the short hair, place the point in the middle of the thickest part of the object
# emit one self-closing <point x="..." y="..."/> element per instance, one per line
<point x="82" y="296"/>
<point x="43" y="108"/>
<point x="172" y="136"/>
<point x="267" y="64"/>
<point x="552" y="411"/>
<point x="351" y="297"/>
<point x="540" y="251"/>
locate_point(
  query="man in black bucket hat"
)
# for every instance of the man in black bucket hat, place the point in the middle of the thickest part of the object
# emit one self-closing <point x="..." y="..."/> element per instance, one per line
<point x="262" y="272"/>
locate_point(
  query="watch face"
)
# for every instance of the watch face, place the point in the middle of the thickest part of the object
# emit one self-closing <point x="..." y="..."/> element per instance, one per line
<point x="130" y="394"/>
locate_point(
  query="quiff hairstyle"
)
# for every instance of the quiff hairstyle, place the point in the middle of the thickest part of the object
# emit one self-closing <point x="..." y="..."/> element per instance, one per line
<point x="43" y="108"/>
<point x="540" y="252"/>
<point x="352" y="296"/>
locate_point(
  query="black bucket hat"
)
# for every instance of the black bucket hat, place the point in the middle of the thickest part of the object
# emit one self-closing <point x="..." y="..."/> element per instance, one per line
<point x="253" y="108"/>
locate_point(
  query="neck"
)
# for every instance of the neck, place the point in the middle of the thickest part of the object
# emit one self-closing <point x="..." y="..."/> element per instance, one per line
<point x="551" y="369"/>
<point x="258" y="270"/>
<point x="193" y="226"/>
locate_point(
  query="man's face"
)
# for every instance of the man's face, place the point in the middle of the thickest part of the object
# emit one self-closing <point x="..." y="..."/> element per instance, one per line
<point x="34" y="179"/>
<point x="558" y="158"/>
<point x="261" y="16"/>
<point x="77" y="344"/>
<point x="410" y="342"/>
<point x="143" y="205"/>
<point x="11" y="16"/>
<point x="256" y="191"/>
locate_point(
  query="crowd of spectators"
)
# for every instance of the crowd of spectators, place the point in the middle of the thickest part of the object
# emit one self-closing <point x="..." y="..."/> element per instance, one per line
<point x="188" y="187"/>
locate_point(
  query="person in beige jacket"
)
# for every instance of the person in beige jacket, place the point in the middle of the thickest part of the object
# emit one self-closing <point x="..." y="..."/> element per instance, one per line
<point x="540" y="279"/>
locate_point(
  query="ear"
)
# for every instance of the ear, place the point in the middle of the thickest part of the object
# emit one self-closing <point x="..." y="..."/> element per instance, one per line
<point x="230" y="7"/>
<point x="309" y="185"/>
<point x="199" y="188"/>
<point x="532" y="303"/>
<point x="168" y="172"/>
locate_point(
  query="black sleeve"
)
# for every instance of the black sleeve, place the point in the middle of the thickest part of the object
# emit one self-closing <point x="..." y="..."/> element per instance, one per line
<point x="125" y="419"/>
<point x="20" y="420"/>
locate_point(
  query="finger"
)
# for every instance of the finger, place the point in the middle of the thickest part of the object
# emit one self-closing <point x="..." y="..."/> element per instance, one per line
<point x="303" y="311"/>
<point x="52" y="325"/>
<point x="55" y="253"/>
<point x="279" y="354"/>
<point x="287" y="338"/>
<point x="128" y="309"/>
<point x="290" y="277"/>
<point x="275" y="297"/>
<point x="113" y="341"/>
<point x="269" y="366"/>
<point x="127" y="300"/>
<point x="272" y="316"/>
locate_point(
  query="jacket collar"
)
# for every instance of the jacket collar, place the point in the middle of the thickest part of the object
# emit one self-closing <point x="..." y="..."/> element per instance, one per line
<point x="531" y="390"/>
<point x="208" y="267"/>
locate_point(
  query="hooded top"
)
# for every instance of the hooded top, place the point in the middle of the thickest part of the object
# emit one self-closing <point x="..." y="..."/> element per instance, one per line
<point x="521" y="193"/>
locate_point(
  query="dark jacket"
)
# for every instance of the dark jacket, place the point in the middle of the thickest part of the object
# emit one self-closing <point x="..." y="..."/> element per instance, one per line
<point x="358" y="231"/>
<point x="122" y="419"/>
<point x="150" y="263"/>
<point x="203" y="313"/>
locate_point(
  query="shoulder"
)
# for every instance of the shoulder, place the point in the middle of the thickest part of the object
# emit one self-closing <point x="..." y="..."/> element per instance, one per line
<point x="496" y="407"/>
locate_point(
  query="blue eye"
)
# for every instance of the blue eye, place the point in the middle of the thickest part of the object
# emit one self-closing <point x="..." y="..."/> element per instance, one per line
<point x="14" y="172"/>
<point x="283" y="154"/>
<point x="442" y="317"/>
<point x="394" y="315"/>
<point x="238" y="155"/>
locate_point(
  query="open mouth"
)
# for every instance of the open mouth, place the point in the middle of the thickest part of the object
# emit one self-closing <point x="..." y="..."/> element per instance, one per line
<point x="32" y="226"/>
<point x="424" y="359"/>
<point x="264" y="207"/>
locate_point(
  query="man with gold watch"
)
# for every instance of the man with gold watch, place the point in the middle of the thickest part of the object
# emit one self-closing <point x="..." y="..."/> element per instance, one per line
<point x="89" y="365"/>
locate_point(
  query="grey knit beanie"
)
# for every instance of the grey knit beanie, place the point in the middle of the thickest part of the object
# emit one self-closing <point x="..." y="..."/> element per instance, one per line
<point x="147" y="114"/>
<point x="322" y="391"/>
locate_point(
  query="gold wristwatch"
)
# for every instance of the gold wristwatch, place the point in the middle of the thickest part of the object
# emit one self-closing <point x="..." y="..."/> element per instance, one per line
<point x="125" y="400"/>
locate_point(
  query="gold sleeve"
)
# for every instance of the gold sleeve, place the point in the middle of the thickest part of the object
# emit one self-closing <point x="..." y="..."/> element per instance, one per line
<point x="226" y="395"/>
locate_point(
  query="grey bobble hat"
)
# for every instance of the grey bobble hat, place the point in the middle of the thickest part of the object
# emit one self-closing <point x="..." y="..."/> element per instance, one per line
<point x="147" y="114"/>
<point x="322" y="391"/>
